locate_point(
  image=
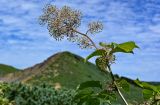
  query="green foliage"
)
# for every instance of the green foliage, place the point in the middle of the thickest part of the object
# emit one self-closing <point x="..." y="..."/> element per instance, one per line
<point x="91" y="93"/>
<point x="151" y="93"/>
<point x="90" y="84"/>
<point x="22" y="94"/>
<point x="3" y="100"/>
<point x="147" y="94"/>
<point x="98" y="52"/>
<point x="126" y="47"/>
<point x="124" y="85"/>
<point x="5" y="69"/>
<point x="106" y="53"/>
<point x="145" y="85"/>
<point x="106" y="57"/>
<point x="68" y="70"/>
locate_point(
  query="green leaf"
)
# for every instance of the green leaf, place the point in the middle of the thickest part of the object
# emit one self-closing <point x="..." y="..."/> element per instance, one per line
<point x="151" y="87"/>
<point x="104" y="102"/>
<point x="110" y="45"/>
<point x="105" y="45"/>
<point x="93" y="101"/>
<point x="90" y="84"/>
<point x="138" y="83"/>
<point x="125" y="85"/>
<point x="95" y="53"/>
<point x="147" y="94"/>
<point x="104" y="95"/>
<point x="145" y="85"/>
<point x="126" y="47"/>
<point x="80" y="102"/>
<point x="102" y="44"/>
<point x="83" y="94"/>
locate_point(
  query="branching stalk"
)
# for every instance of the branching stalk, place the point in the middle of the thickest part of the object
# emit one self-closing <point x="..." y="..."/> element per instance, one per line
<point x="112" y="76"/>
<point x="87" y="31"/>
<point x="86" y="37"/>
<point x="117" y="89"/>
<point x="65" y="22"/>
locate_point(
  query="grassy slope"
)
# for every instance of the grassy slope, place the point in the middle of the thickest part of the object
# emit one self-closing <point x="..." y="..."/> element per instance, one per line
<point x="68" y="70"/>
<point x="5" y="69"/>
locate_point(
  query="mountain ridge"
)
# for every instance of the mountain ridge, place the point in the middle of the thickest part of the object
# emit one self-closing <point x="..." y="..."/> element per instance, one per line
<point x="65" y="69"/>
<point x="36" y="69"/>
<point x="59" y="68"/>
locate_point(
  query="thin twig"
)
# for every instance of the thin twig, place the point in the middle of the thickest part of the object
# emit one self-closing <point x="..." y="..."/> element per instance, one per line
<point x="87" y="31"/>
<point x="86" y="37"/>
<point x="112" y="76"/>
<point x="114" y="81"/>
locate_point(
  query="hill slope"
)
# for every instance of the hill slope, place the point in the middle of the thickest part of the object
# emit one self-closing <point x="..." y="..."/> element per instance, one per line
<point x="5" y="69"/>
<point x="61" y="69"/>
<point x="65" y="69"/>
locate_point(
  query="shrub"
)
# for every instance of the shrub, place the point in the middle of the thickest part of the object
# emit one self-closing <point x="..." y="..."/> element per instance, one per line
<point x="22" y="94"/>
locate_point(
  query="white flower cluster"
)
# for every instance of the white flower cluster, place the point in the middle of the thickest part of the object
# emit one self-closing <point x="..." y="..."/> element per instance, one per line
<point x="61" y="21"/>
<point x="64" y="22"/>
<point x="95" y="27"/>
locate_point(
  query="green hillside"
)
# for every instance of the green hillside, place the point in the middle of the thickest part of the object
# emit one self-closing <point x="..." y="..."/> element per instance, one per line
<point x="5" y="69"/>
<point x="62" y="69"/>
<point x="65" y="69"/>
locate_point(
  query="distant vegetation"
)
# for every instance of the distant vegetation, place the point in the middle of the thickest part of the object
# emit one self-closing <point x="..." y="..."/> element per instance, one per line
<point x="20" y="94"/>
<point x="63" y="69"/>
<point x="70" y="71"/>
<point x="5" y="69"/>
<point x="67" y="70"/>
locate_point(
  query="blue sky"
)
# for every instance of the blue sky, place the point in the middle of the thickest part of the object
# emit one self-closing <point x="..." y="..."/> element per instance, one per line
<point x="23" y="42"/>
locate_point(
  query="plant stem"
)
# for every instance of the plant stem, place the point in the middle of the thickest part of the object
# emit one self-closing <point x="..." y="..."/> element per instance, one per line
<point x="86" y="37"/>
<point x="112" y="76"/>
<point x="117" y="89"/>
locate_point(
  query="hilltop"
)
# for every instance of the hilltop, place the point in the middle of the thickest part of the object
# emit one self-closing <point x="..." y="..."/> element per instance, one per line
<point x="62" y="69"/>
<point x="65" y="69"/>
